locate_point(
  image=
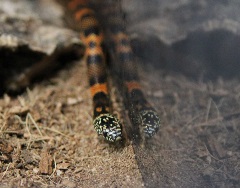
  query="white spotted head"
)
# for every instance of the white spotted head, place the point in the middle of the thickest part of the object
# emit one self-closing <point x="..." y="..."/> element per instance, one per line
<point x="108" y="126"/>
<point x="150" y="122"/>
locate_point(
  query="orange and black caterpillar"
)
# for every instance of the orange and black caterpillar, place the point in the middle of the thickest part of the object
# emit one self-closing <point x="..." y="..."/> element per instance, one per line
<point x="92" y="36"/>
<point x="141" y="112"/>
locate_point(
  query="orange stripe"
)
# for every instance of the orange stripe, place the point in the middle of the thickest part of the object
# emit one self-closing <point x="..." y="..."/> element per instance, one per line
<point x="89" y="22"/>
<point x="99" y="109"/>
<point x="123" y="49"/>
<point x="93" y="38"/>
<point x="97" y="88"/>
<point x="94" y="51"/>
<point x="79" y="14"/>
<point x="133" y="85"/>
<point x="120" y="36"/>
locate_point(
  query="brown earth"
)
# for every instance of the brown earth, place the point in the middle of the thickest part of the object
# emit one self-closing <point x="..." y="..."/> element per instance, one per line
<point x="54" y="119"/>
<point x="197" y="146"/>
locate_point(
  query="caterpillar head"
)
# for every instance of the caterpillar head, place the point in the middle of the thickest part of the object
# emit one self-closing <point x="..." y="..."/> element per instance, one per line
<point x="150" y="122"/>
<point x="109" y="127"/>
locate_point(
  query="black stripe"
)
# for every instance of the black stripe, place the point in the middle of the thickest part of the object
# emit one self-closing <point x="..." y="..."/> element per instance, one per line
<point x="101" y="98"/>
<point x="92" y="44"/>
<point x="129" y="76"/>
<point x="104" y="111"/>
<point x="125" y="56"/>
<point x="124" y="42"/>
<point x="89" y="15"/>
<point x="116" y="28"/>
<point x="92" y="30"/>
<point x="95" y="59"/>
<point x="136" y="94"/>
<point x="98" y="80"/>
<point x="137" y="98"/>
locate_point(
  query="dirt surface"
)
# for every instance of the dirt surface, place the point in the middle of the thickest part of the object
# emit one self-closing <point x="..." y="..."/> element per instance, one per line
<point x="197" y="146"/>
<point x="47" y="137"/>
<point x="55" y="117"/>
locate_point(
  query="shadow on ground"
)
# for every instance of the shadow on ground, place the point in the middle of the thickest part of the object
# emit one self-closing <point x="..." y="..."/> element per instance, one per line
<point x="198" y="99"/>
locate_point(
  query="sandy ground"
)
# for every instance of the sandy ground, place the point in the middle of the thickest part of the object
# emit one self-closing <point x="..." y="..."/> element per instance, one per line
<point x="52" y="121"/>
